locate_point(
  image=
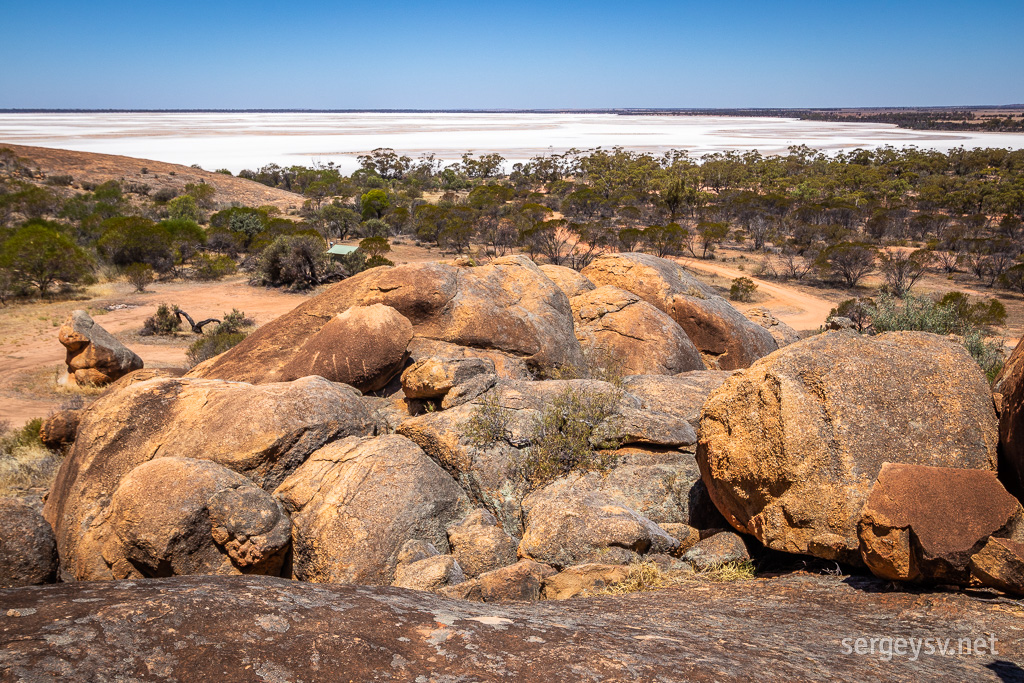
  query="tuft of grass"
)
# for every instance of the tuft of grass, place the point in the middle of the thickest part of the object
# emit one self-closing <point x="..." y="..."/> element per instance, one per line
<point x="489" y="422"/>
<point x="738" y="570"/>
<point x="643" y="576"/>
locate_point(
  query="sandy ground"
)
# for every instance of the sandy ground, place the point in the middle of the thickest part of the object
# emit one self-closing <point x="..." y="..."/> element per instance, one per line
<point x="32" y="359"/>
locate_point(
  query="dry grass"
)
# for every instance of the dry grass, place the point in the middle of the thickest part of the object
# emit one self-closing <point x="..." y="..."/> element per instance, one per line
<point x="25" y="464"/>
<point x="647" y="576"/>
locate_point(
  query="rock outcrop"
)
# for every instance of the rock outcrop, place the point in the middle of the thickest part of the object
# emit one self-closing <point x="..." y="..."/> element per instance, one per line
<point x="260" y="628"/>
<point x="726" y="338"/>
<point x="433" y="378"/>
<point x="681" y="395"/>
<point x="355" y="503"/>
<point x="508" y="306"/>
<point x="480" y="545"/>
<point x="790" y="448"/>
<point x="617" y="327"/>
<point x="925" y="523"/>
<point x="261" y="432"/>
<point x="94" y="357"/>
<point x="28" y="551"/>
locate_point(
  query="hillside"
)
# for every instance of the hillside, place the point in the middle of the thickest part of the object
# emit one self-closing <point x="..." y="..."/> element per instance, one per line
<point x="99" y="168"/>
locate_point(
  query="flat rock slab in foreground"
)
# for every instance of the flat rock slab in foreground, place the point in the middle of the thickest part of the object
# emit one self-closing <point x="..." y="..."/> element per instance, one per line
<point x="249" y="628"/>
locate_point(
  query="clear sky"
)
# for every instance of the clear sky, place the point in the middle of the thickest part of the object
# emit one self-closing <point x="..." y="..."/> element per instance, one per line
<point x="446" y="55"/>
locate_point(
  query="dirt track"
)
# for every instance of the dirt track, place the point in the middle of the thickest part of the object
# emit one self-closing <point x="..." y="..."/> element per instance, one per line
<point x="798" y="310"/>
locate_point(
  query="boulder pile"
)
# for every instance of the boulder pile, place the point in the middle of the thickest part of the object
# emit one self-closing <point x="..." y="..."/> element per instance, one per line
<point x="94" y="357"/>
<point x="515" y="432"/>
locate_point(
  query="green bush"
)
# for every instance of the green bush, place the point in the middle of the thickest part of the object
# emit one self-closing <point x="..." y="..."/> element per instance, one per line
<point x="228" y="333"/>
<point x="138" y="275"/>
<point x="163" y="322"/>
<point x="296" y="262"/>
<point x="572" y="434"/>
<point x="742" y="289"/>
<point x="207" y="267"/>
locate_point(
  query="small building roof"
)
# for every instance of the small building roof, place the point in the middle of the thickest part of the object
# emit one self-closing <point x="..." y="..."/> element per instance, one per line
<point x="341" y="249"/>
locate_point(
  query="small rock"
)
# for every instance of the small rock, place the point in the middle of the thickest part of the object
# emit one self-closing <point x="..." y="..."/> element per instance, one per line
<point x="716" y="550"/>
<point x="1000" y="564"/>
<point x="684" y="533"/>
<point x="429" y="574"/>
<point x="480" y="545"/>
<point x="432" y="378"/>
<point x="415" y="550"/>
<point x="782" y="333"/>
<point x="28" y="550"/>
<point x="520" y="581"/>
<point x="59" y="429"/>
<point x="583" y="578"/>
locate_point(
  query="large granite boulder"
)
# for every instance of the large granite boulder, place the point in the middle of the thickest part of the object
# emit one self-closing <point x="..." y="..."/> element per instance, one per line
<point x="925" y="523"/>
<point x="356" y="502"/>
<point x="178" y="516"/>
<point x="1009" y="391"/>
<point x="363" y="346"/>
<point x="790" y="448"/>
<point x="724" y="336"/>
<point x="94" y="357"/>
<point x="617" y="326"/>
<point x="261" y="432"/>
<point x="508" y="306"/>
<point x="28" y="551"/>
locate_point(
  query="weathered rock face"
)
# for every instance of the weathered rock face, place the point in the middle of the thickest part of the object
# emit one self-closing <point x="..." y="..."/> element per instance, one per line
<point x="480" y="545"/>
<point x="681" y="395"/>
<point x="790" y="448"/>
<point x="564" y="528"/>
<point x="617" y="326"/>
<point x="1010" y="387"/>
<point x="506" y="365"/>
<point x="582" y="579"/>
<point x="433" y="378"/>
<point x="716" y="550"/>
<point x="143" y="375"/>
<point x="491" y="472"/>
<point x="567" y="280"/>
<point x="178" y="516"/>
<point x="356" y="502"/>
<point x="363" y="346"/>
<point x="508" y="306"/>
<point x="59" y="429"/>
<point x="924" y="523"/>
<point x="283" y="630"/>
<point x="28" y="551"/>
<point x="262" y="432"/>
<point x="783" y="334"/>
<point x="94" y="356"/>
<point x="1000" y="564"/>
<point x="726" y="338"/>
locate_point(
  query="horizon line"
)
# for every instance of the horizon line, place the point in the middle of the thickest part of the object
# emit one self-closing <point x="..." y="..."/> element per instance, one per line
<point x="463" y="110"/>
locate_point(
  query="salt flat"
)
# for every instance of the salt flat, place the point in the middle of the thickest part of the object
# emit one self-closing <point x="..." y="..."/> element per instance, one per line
<point x="250" y="140"/>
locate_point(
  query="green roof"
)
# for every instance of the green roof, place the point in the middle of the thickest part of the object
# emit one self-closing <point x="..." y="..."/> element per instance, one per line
<point x="341" y="249"/>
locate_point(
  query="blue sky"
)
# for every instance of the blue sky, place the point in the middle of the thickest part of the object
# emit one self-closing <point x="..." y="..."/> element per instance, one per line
<point x="256" y="54"/>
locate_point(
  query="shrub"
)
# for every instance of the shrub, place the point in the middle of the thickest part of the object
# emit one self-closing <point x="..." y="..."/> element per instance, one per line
<point x="138" y="275"/>
<point x="165" y="194"/>
<point x="227" y="334"/>
<point x="163" y="322"/>
<point x="296" y="262"/>
<point x="572" y="434"/>
<point x="987" y="354"/>
<point x="41" y="256"/>
<point x="742" y="289"/>
<point x="59" y="180"/>
<point x="184" y="206"/>
<point x="207" y="267"/>
<point x="489" y="422"/>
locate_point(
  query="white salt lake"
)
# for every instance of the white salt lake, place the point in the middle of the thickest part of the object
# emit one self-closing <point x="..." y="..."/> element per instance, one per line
<point x="249" y="140"/>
